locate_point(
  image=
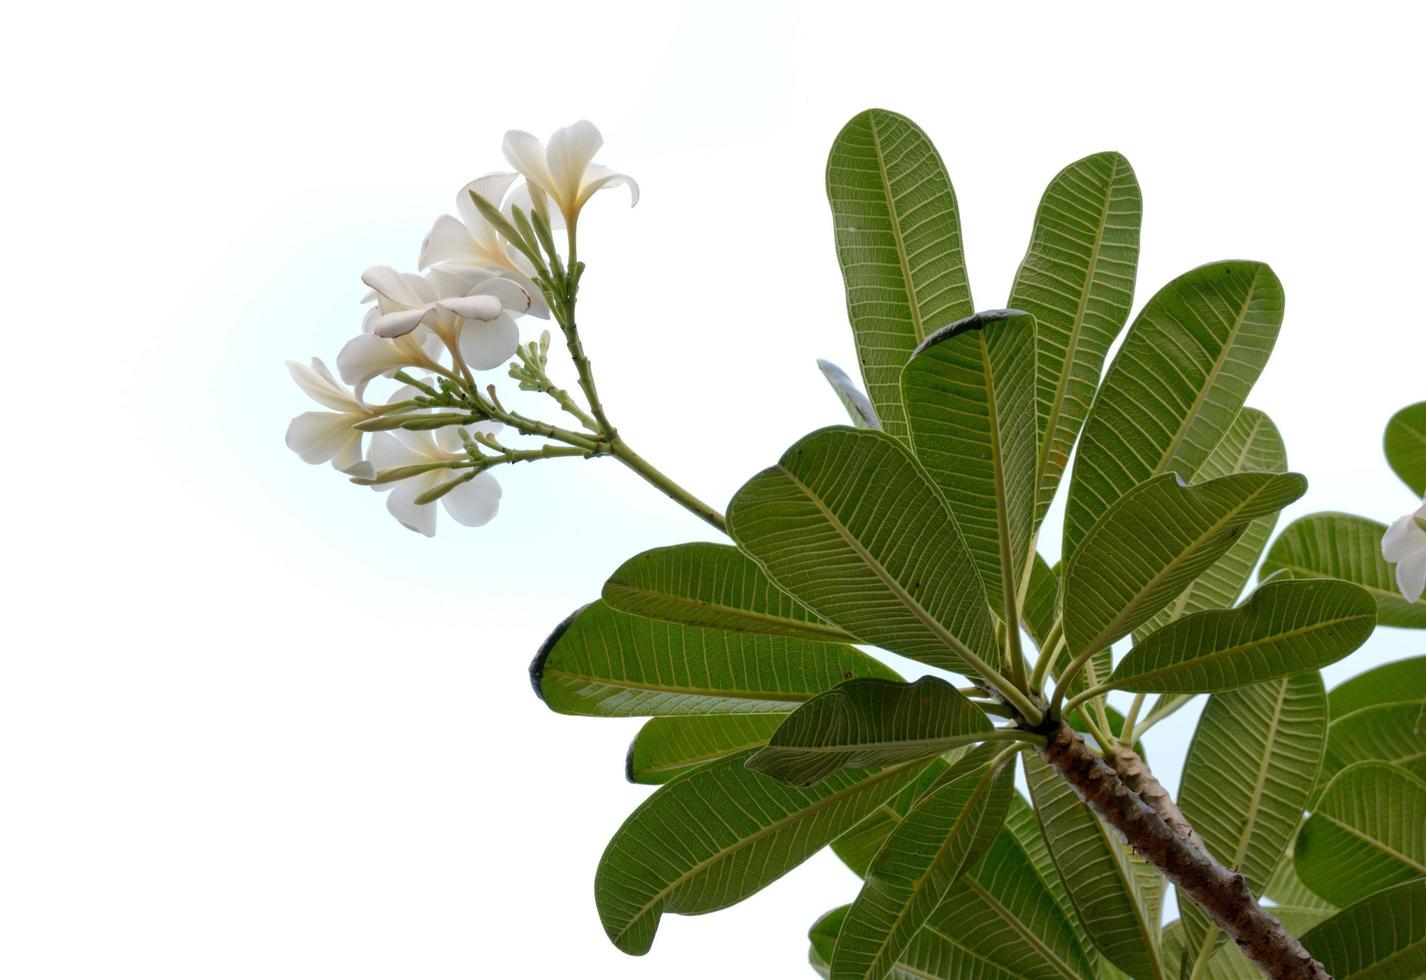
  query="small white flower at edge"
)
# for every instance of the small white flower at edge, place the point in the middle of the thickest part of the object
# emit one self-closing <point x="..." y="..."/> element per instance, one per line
<point x="317" y="437"/>
<point x="1405" y="544"/>
<point x="473" y="503"/>
<point x="564" y="171"/>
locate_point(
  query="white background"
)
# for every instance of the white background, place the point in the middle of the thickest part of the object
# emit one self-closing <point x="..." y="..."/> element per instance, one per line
<point x="249" y="726"/>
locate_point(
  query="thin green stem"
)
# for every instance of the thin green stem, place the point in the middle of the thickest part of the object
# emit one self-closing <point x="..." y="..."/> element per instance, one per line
<point x="1082" y="697"/>
<point x="621" y="451"/>
<point x="1070" y="671"/>
<point x="1048" y="651"/>
<point x="1131" y="719"/>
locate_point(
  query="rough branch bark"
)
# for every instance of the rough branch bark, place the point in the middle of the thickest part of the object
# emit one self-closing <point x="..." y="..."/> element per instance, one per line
<point x="1220" y="892"/>
<point x="1141" y="780"/>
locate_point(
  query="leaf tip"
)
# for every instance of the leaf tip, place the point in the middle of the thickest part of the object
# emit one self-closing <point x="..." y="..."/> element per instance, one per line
<point x="537" y="666"/>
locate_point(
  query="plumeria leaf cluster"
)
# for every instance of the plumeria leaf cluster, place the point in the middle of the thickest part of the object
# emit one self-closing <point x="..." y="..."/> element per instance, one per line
<point x="1297" y="841"/>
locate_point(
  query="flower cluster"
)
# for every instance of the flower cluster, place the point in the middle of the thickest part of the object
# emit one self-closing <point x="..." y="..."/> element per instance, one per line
<point x="434" y="438"/>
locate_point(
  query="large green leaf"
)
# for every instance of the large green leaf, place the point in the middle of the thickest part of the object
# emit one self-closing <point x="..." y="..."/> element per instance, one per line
<point x="1285" y="888"/>
<point x="1175" y="386"/>
<point x="669" y="747"/>
<point x="937" y="952"/>
<point x="1022" y="823"/>
<point x="1384" y="732"/>
<point x="1347" y="547"/>
<point x="1284" y="628"/>
<point x="1366" y="833"/>
<point x="849" y="524"/>
<point x="1252" y="445"/>
<point x="969" y="392"/>
<point x="945" y="834"/>
<point x="859" y="845"/>
<point x="1095" y="867"/>
<point x="899" y="244"/>
<point x="1005" y="913"/>
<point x="1250" y="769"/>
<point x="1155" y="540"/>
<point x="1382" y="937"/>
<point x="608" y="663"/>
<point x="1077" y="280"/>
<point x="719" y="833"/>
<point x="704" y="584"/>
<point x="1405" y="445"/>
<point x="868" y="723"/>
<point x="1400" y="680"/>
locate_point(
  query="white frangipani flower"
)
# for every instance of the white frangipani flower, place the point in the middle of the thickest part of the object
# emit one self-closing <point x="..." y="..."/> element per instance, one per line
<point x="473" y="503"/>
<point x="1405" y="544"/>
<point x="317" y="437"/>
<point x="564" y="171"/>
<point x="471" y="242"/>
<point x="468" y="309"/>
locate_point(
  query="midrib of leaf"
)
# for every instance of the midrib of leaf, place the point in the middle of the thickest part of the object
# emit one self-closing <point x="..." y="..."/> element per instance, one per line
<point x="1207" y="386"/>
<point x="1081" y="308"/>
<point x="1132" y="606"/>
<point x="771" y="828"/>
<point x="948" y="742"/>
<point x="719" y="692"/>
<point x="1230" y="651"/>
<point x="1376" y="844"/>
<point x="913" y="304"/>
<point x="1014" y="922"/>
<point x="694" y="760"/>
<point x="1208" y="945"/>
<point x="801" y="626"/>
<point x="906" y="599"/>
<point x="982" y="787"/>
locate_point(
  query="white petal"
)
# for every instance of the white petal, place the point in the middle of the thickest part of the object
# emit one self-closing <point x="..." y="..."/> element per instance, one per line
<point x="349" y="458"/>
<point x="402" y="447"/>
<point x="492" y="188"/>
<point x="1401" y="538"/>
<point x="401" y="502"/>
<point x="318" y="436"/>
<point x="476" y="307"/>
<point x="571" y="150"/>
<point x="319" y="385"/>
<point x="1411" y="575"/>
<point x="513" y="296"/>
<point x="475" y="502"/>
<point x="449" y="241"/>
<point x="597" y="178"/>
<point x="392" y="286"/>
<point x="527" y="155"/>
<point x="489" y="345"/>
<point x="400" y="323"/>
<point x="367" y="356"/>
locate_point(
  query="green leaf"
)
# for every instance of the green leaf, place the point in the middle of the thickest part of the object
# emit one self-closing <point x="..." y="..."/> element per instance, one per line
<point x="1252" y="445"/>
<point x="705" y="584"/>
<point x="669" y="747"/>
<point x="859" y="845"/>
<point x="850" y="525"/>
<point x="945" y="834"/>
<point x="1121" y="576"/>
<point x="1382" y="937"/>
<point x="853" y="399"/>
<point x="1400" y="680"/>
<point x="1022" y="823"/>
<point x="867" y="723"/>
<point x="1347" y="547"/>
<point x="1041" y="600"/>
<point x="1250" y="769"/>
<point x="1285" y="888"/>
<point x="1095" y="867"/>
<point x="1077" y="280"/>
<point x="610" y="664"/>
<point x="969" y="393"/>
<point x="1175" y="386"/>
<point x="1405" y="445"/>
<point x="937" y="952"/>
<point x="899" y="244"/>
<point x="1366" y="833"/>
<point x="1284" y="628"/>
<point x="1383" y="732"/>
<point x="716" y="835"/>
